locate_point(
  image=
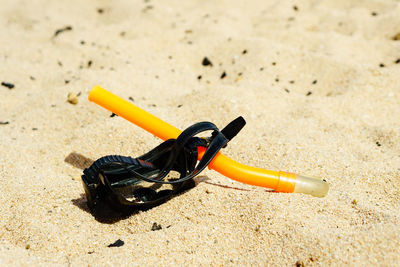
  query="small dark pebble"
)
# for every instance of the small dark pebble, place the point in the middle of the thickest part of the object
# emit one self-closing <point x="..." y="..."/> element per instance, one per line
<point x="374" y="14"/>
<point x="199" y="77"/>
<point x="273" y="63"/>
<point x="277" y="80"/>
<point x="113" y="115"/>
<point x="223" y="75"/>
<point x="59" y="63"/>
<point x="122" y="34"/>
<point x="287" y="90"/>
<point x="82" y="42"/>
<point x="34" y="129"/>
<point x="295" y="8"/>
<point x="32" y="78"/>
<point x="89" y="63"/>
<point x="240" y="74"/>
<point x="291" y="81"/>
<point x="90" y="252"/>
<point x="118" y="243"/>
<point x="244" y="52"/>
<point x="314" y="82"/>
<point x="168" y="226"/>
<point x="382" y="65"/>
<point x="309" y="93"/>
<point x="8" y="85"/>
<point x="180" y="105"/>
<point x="100" y="10"/>
<point x="378" y="144"/>
<point x="397" y="61"/>
<point x="66" y="28"/>
<point x="261" y="69"/>
<point x="4" y="122"/>
<point x="169" y="57"/>
<point x="300" y="263"/>
<point x="396" y="37"/>
<point x="206" y="62"/>
<point x="131" y="99"/>
<point x="156" y="227"/>
<point x="66" y="81"/>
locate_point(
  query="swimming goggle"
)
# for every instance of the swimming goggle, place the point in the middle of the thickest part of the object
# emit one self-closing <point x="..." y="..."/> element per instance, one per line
<point x="124" y="184"/>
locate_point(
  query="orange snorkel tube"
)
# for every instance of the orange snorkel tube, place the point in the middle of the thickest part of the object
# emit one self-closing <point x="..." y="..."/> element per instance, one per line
<point x="277" y="180"/>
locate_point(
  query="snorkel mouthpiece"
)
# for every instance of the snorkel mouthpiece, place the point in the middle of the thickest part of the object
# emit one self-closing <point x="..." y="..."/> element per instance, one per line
<point x="290" y="182"/>
<point x="276" y="180"/>
<point x="312" y="186"/>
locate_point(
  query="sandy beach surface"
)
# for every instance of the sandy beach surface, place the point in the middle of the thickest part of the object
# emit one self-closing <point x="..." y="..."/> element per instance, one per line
<point x="317" y="82"/>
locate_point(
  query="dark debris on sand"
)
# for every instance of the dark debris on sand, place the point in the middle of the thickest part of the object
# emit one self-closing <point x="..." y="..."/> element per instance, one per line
<point x="8" y="85"/>
<point x="156" y="227"/>
<point x="61" y="30"/>
<point x="206" y="62"/>
<point x="223" y="75"/>
<point x="118" y="243"/>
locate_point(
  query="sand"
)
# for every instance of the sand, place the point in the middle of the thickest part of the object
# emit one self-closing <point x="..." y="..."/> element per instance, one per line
<point x="316" y="81"/>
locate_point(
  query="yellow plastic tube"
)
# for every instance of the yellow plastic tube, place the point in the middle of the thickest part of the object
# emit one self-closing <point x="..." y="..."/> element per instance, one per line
<point x="278" y="180"/>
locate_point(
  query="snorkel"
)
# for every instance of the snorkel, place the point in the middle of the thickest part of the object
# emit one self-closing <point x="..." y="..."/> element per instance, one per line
<point x="279" y="181"/>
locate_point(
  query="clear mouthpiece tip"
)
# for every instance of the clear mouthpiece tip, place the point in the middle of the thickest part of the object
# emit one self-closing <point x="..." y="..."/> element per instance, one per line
<point x="311" y="186"/>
